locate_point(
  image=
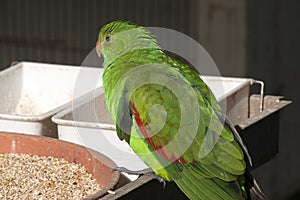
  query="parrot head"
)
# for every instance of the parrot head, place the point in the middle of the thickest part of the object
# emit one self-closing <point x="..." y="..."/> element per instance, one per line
<point x="120" y="37"/>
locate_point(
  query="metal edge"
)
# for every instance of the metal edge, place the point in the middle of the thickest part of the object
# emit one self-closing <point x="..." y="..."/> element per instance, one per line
<point x="278" y="104"/>
<point x="129" y="187"/>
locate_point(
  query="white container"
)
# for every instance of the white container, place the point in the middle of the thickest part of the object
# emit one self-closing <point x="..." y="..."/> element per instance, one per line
<point x="31" y="93"/>
<point x="232" y="94"/>
<point x="88" y="122"/>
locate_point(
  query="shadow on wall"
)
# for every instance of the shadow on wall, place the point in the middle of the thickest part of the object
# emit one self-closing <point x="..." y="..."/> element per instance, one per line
<point x="273" y="43"/>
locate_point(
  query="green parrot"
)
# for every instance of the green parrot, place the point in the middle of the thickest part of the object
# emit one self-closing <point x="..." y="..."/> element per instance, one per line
<point x="170" y="117"/>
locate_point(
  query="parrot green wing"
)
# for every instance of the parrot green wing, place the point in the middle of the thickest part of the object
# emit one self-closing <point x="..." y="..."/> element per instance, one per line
<point x="194" y="79"/>
<point x="163" y="130"/>
<point x="191" y="73"/>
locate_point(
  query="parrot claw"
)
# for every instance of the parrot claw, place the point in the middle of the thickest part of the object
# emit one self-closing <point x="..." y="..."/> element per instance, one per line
<point x="142" y="172"/>
<point x="132" y="172"/>
<point x="161" y="180"/>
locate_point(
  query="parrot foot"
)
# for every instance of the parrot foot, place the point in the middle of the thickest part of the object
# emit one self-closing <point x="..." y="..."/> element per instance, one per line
<point x="132" y="172"/>
<point x="161" y="180"/>
<point x="142" y="172"/>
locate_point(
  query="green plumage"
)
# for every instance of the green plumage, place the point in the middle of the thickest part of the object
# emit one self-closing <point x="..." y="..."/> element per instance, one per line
<point x="168" y="115"/>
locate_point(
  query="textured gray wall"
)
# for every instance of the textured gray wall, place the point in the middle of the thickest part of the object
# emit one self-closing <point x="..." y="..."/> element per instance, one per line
<point x="65" y="31"/>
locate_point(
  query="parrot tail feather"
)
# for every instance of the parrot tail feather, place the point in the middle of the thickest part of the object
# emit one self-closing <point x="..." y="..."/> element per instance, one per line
<point x="196" y="187"/>
<point x="224" y="118"/>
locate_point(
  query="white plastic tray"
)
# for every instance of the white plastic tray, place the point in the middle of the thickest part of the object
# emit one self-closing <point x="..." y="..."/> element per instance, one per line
<point x="30" y="93"/>
<point x="88" y="122"/>
<point x="232" y="94"/>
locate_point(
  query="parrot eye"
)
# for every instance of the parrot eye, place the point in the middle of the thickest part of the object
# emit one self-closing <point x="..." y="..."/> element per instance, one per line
<point x="107" y="38"/>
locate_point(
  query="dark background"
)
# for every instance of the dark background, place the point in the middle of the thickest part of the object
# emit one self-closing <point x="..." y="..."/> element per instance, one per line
<point x="246" y="38"/>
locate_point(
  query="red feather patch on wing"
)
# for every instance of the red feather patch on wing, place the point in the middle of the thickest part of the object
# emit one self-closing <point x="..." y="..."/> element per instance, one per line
<point x="141" y="126"/>
<point x="159" y="149"/>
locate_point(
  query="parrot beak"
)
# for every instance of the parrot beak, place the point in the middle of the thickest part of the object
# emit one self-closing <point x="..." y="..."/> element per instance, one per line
<point x="98" y="48"/>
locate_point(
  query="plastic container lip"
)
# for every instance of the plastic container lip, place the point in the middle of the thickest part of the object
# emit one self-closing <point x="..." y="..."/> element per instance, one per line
<point x="228" y="85"/>
<point x="59" y="118"/>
